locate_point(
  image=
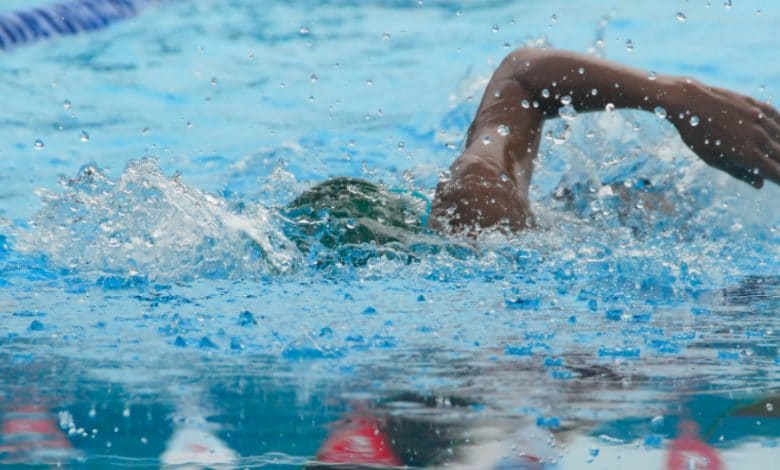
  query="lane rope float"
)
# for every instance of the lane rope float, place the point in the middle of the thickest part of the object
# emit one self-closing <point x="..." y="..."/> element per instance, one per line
<point x="18" y="28"/>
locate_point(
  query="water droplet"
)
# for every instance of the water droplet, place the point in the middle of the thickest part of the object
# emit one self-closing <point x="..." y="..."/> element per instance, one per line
<point x="84" y="136"/>
<point x="727" y="4"/>
<point x="66" y="104"/>
<point x="546" y="93"/>
<point x="486" y="140"/>
<point x="651" y="75"/>
<point x="609" y="107"/>
<point x="590" y="134"/>
<point x="630" y="45"/>
<point x="304" y="30"/>
<point x="386" y="36"/>
<point x="251" y="55"/>
<point x="567" y="112"/>
<point x="694" y="121"/>
<point x="525" y="104"/>
<point x="504" y="178"/>
<point x="314" y="78"/>
<point x="145" y="131"/>
<point x="681" y="16"/>
<point x="401" y="145"/>
<point x="554" y="18"/>
<point x="660" y="112"/>
<point x="566" y="100"/>
<point x="560" y="133"/>
<point x="38" y="145"/>
<point x="213" y="81"/>
<point x="594" y="92"/>
<point x="495" y="28"/>
<point x="503" y="130"/>
<point x="369" y="82"/>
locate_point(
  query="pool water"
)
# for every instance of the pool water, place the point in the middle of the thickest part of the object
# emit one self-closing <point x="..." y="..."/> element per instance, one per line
<point x="156" y="309"/>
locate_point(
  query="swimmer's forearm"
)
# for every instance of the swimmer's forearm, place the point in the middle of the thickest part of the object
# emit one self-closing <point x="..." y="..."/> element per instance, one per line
<point x="553" y="77"/>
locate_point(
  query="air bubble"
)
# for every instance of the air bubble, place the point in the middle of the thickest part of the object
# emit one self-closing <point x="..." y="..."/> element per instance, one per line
<point x="66" y="104"/>
<point x="581" y="70"/>
<point x="660" y="112"/>
<point x="681" y="16"/>
<point x="566" y="100"/>
<point x="486" y="140"/>
<point x="694" y="121"/>
<point x="630" y="45"/>
<point x="594" y="92"/>
<point x="38" y="145"/>
<point x="503" y="130"/>
<point x="525" y="104"/>
<point x="545" y="93"/>
<point x="401" y="145"/>
<point x="651" y="75"/>
<point x="727" y="4"/>
<point x="304" y="30"/>
<point x="535" y="104"/>
<point x="386" y="36"/>
<point x="609" y="107"/>
<point x="554" y="18"/>
<point x="495" y="28"/>
<point x="145" y="131"/>
<point x="369" y="82"/>
<point x="314" y="78"/>
<point x="770" y="407"/>
<point x="84" y="136"/>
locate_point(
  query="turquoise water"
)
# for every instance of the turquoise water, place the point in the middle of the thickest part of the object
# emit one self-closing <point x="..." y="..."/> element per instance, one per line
<point x="153" y="303"/>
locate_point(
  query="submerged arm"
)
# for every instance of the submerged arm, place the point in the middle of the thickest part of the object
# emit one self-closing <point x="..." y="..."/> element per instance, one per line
<point x="489" y="181"/>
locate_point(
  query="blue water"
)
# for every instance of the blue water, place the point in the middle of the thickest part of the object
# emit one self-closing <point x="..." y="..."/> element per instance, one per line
<point x="149" y="289"/>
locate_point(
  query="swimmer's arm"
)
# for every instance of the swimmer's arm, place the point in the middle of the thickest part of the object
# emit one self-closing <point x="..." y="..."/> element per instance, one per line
<point x="732" y="132"/>
<point x="489" y="181"/>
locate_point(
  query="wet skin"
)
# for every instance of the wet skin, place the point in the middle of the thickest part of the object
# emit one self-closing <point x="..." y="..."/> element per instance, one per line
<point x="489" y="182"/>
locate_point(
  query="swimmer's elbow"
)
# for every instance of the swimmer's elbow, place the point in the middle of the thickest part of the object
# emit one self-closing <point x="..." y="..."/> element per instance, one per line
<point x="521" y="62"/>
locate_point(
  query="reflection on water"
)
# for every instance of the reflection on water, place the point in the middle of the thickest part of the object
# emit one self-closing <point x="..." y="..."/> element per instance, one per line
<point x="235" y="417"/>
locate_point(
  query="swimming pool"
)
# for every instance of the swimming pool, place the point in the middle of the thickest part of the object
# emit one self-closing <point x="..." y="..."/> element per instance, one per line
<point x="155" y="311"/>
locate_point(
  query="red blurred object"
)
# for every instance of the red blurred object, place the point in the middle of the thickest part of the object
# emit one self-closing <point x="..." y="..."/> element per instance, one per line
<point x="359" y="442"/>
<point x="689" y="452"/>
<point x="31" y="434"/>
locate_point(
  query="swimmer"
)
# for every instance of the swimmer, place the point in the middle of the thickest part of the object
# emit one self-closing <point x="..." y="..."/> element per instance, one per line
<point x="489" y="181"/>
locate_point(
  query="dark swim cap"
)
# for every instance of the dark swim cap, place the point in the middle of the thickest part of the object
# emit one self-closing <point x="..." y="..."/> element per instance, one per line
<point x="342" y="211"/>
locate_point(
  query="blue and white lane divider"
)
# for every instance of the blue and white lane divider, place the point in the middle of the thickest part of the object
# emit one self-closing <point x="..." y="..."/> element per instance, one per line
<point x="64" y="19"/>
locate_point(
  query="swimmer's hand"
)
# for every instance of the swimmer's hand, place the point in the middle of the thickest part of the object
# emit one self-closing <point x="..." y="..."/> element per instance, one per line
<point x="732" y="132"/>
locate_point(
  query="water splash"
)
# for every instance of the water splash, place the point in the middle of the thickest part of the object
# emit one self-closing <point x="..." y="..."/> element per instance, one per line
<point x="149" y="225"/>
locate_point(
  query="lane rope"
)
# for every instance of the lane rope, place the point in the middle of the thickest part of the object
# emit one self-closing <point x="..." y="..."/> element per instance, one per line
<point x="23" y="27"/>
